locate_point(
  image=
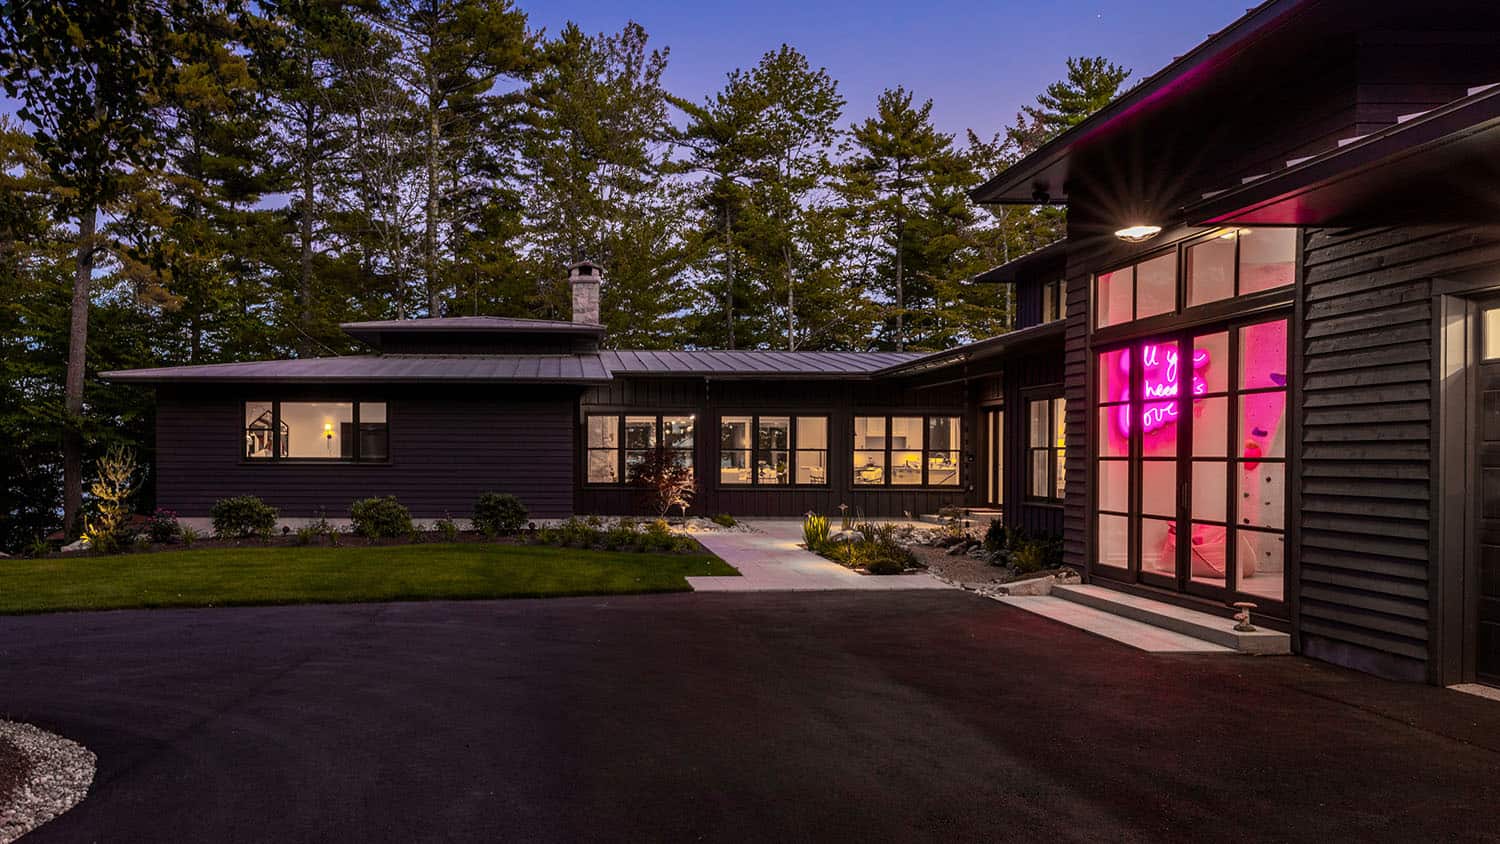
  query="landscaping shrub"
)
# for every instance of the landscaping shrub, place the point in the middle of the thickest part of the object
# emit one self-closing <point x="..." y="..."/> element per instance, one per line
<point x="876" y="550"/>
<point x="242" y="516"/>
<point x="380" y="518"/>
<point x="163" y="527"/>
<point x="725" y="520"/>
<point x="39" y="548"/>
<point x="1033" y="555"/>
<point x="657" y="537"/>
<point x="815" y="531"/>
<point x="997" y="537"/>
<point x="663" y="482"/>
<point x="446" y="528"/>
<point x="106" y="531"/>
<point x="189" y="536"/>
<point x="499" y="514"/>
<point x="578" y="533"/>
<point x="620" y="538"/>
<point x="307" y="535"/>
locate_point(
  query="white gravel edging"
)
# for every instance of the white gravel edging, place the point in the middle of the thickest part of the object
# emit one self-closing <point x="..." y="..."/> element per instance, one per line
<point x="60" y="776"/>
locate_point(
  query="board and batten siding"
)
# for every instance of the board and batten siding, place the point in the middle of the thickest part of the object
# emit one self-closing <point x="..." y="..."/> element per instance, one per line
<point x="447" y="445"/>
<point x="1365" y="498"/>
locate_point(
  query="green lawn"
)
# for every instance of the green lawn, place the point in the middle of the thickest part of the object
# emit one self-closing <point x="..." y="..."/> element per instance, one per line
<point x="213" y="577"/>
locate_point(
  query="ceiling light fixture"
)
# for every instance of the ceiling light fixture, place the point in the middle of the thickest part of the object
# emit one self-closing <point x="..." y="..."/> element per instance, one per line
<point x="1138" y="233"/>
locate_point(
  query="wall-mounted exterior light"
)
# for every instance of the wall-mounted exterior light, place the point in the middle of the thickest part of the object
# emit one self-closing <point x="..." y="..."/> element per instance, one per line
<point x="1138" y="233"/>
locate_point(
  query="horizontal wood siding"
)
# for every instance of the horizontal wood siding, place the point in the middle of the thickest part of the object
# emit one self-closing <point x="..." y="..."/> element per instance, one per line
<point x="1367" y="520"/>
<point x="447" y="446"/>
<point x="841" y="401"/>
<point x="1075" y="517"/>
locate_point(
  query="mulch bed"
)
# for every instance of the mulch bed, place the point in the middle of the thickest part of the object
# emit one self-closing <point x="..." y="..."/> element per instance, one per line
<point x="14" y="768"/>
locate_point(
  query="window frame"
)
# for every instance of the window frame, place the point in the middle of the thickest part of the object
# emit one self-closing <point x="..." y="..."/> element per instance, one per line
<point x="278" y="429"/>
<point x="1185" y="459"/>
<point x="924" y="449"/>
<point x="793" y="449"/>
<point x="622" y="464"/>
<point x="1212" y="312"/>
<point x="1056" y="404"/>
<point x="1058" y="306"/>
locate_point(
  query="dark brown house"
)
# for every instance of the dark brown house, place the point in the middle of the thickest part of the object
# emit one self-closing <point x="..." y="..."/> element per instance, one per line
<point x="445" y="409"/>
<point x="1264" y="365"/>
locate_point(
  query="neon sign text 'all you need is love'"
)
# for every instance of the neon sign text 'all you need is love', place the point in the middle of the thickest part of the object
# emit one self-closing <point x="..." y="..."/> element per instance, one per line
<point x="1161" y="376"/>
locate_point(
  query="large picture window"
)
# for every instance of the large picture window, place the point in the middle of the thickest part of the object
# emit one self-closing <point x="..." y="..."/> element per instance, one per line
<point x="1205" y="413"/>
<point x="352" y="431"/>
<point x="1046" y="442"/>
<point x="907" y="450"/>
<point x="773" y="450"/>
<point x="614" y="443"/>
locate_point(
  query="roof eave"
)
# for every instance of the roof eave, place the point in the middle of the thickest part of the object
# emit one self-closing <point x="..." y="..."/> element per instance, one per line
<point x="1015" y="185"/>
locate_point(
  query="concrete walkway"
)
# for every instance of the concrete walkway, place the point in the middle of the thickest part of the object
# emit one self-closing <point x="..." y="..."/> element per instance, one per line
<point x="770" y="560"/>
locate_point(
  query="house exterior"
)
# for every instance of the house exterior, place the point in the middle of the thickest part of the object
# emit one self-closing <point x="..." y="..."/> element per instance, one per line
<point x="1279" y="370"/>
<point x="443" y="410"/>
<point x="1263" y="366"/>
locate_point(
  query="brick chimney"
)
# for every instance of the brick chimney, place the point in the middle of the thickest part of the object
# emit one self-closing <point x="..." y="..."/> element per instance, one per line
<point x="584" y="277"/>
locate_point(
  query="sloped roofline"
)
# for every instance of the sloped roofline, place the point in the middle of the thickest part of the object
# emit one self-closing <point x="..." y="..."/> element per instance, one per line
<point x="1013" y="184"/>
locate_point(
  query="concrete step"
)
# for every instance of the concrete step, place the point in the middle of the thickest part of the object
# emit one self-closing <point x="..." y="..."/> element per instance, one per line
<point x="1199" y="625"/>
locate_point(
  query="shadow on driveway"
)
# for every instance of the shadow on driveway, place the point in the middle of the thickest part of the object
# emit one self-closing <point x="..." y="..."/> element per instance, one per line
<point x="778" y="716"/>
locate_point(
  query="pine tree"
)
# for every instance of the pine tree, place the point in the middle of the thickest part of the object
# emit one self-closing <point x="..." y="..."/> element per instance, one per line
<point x="790" y="173"/>
<point x="1090" y="85"/>
<point x="450" y="54"/>
<point x="903" y="181"/>
<point x="88" y="75"/>
<point x="594" y="163"/>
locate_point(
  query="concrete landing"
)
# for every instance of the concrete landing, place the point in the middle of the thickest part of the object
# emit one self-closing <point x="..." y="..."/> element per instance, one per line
<point x="1126" y="631"/>
<point x="770" y="560"/>
<point x="1209" y="628"/>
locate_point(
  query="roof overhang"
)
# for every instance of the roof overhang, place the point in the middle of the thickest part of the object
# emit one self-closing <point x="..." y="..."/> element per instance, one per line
<point x="1041" y="178"/>
<point x="1013" y="342"/>
<point x="1443" y="166"/>
<point x="1033" y="262"/>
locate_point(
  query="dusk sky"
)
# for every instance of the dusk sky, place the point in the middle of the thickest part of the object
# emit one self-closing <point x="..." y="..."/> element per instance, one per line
<point x="979" y="62"/>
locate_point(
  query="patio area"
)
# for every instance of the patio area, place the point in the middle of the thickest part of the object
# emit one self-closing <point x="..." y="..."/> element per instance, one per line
<point x="771" y="559"/>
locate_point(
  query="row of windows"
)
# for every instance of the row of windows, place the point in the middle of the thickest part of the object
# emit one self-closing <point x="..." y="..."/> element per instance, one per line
<point x="1233" y="262"/>
<point x="781" y="450"/>
<point x="306" y="430"/>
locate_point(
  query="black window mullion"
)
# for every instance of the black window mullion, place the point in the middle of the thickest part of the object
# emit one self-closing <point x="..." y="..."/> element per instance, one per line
<point x="276" y="430"/>
<point x="358" y="435"/>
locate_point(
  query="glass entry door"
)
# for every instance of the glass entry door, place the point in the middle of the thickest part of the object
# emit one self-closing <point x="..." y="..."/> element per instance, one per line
<point x="994" y="449"/>
<point x="1190" y="461"/>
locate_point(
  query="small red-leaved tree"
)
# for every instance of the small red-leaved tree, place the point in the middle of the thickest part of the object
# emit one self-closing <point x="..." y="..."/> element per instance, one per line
<point x="664" y="483"/>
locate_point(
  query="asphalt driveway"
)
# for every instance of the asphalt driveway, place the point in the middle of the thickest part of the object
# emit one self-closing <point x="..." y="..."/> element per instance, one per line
<point x="771" y="717"/>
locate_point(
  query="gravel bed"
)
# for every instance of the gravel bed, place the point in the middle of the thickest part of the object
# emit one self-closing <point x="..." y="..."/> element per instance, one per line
<point x="56" y="775"/>
<point x="959" y="568"/>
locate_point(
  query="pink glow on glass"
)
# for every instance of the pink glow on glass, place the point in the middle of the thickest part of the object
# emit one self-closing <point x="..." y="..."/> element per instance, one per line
<point x="1161" y="376"/>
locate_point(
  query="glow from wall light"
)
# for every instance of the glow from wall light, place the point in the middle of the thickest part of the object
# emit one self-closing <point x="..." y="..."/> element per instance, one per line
<point x="1138" y="233"/>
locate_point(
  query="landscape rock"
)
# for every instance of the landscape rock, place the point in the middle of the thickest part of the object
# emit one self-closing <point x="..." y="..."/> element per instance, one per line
<point x="60" y="775"/>
<point x="79" y="545"/>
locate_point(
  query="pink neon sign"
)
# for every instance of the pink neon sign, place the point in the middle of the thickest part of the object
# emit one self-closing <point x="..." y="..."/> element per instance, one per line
<point x="1161" y="376"/>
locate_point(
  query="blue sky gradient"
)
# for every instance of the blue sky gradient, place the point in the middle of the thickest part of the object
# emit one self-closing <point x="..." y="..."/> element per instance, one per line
<point x="979" y="62"/>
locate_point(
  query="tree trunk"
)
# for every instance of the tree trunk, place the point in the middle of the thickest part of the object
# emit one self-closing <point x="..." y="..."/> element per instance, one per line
<point x="900" y="289"/>
<point x="791" y="303"/>
<point x="429" y="257"/>
<point x="729" y="278"/>
<point x="78" y="335"/>
<point x="305" y="284"/>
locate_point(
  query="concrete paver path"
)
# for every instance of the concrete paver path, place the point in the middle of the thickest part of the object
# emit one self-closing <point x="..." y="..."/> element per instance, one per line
<point x="770" y="560"/>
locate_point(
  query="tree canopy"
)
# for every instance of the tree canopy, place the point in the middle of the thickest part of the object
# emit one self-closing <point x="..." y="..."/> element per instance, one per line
<point x="198" y="181"/>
